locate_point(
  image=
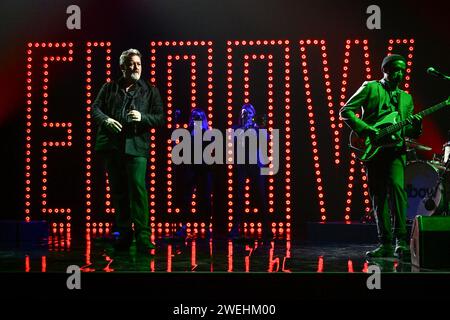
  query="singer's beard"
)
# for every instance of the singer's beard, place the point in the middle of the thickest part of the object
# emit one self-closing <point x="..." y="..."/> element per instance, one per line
<point x="135" y="76"/>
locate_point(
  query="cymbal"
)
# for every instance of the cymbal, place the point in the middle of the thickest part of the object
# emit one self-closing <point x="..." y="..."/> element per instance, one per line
<point x="439" y="165"/>
<point x="416" y="145"/>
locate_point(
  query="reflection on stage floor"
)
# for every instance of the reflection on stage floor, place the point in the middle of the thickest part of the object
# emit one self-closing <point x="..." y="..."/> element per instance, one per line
<point x="95" y="253"/>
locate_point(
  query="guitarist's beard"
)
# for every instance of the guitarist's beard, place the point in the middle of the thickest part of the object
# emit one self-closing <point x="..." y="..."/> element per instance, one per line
<point x="392" y="83"/>
<point x="396" y="82"/>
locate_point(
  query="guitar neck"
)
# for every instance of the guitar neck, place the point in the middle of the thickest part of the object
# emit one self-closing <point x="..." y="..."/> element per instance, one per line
<point x="432" y="109"/>
<point x="395" y="127"/>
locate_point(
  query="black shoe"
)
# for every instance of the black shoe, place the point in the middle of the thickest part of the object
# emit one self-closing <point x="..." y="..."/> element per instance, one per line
<point x="208" y="234"/>
<point x="383" y="251"/>
<point x="402" y="250"/>
<point x="179" y="236"/>
<point x="234" y="234"/>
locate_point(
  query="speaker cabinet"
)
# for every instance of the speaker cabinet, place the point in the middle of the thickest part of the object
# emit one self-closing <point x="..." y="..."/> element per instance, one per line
<point x="430" y="242"/>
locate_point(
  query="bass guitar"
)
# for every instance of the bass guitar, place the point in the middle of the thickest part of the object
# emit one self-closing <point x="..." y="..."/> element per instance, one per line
<point x="388" y="135"/>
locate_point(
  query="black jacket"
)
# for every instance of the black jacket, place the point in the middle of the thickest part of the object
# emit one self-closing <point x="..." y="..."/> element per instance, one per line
<point x="113" y="102"/>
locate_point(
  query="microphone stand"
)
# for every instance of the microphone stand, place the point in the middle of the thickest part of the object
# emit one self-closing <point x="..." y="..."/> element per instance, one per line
<point x="437" y="74"/>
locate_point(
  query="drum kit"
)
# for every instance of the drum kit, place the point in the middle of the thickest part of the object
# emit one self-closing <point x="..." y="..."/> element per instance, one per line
<point x="426" y="181"/>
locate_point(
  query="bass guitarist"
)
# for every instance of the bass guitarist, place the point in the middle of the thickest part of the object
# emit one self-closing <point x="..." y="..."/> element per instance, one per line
<point x="385" y="170"/>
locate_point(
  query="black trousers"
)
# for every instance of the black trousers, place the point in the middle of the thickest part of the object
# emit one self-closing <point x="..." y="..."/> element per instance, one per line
<point x="195" y="179"/>
<point x="258" y="188"/>
<point x="126" y="176"/>
<point x="198" y="179"/>
<point x="386" y="175"/>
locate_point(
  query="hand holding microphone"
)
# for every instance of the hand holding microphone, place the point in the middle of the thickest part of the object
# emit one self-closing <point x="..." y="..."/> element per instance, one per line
<point x="244" y="114"/>
<point x="134" y="116"/>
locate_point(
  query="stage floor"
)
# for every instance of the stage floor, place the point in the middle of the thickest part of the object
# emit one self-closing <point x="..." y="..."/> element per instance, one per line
<point x="212" y="270"/>
<point x="198" y="255"/>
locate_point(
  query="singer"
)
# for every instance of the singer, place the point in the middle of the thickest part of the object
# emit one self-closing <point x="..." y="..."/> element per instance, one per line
<point x="248" y="124"/>
<point x="192" y="177"/>
<point x="386" y="169"/>
<point x="124" y="110"/>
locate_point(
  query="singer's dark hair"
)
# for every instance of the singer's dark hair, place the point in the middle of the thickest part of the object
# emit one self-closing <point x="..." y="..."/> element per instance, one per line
<point x="202" y="114"/>
<point x="249" y="107"/>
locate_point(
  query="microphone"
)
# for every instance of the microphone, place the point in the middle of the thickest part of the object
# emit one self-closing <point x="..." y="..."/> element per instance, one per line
<point x="133" y="107"/>
<point x="177" y="115"/>
<point x="436" y="73"/>
<point x="244" y="116"/>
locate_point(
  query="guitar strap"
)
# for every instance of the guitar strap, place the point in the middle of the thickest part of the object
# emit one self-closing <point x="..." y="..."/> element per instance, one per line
<point x="393" y="96"/>
<point x="394" y="102"/>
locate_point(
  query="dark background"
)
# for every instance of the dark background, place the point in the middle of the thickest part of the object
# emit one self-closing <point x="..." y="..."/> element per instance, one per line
<point x="136" y="23"/>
